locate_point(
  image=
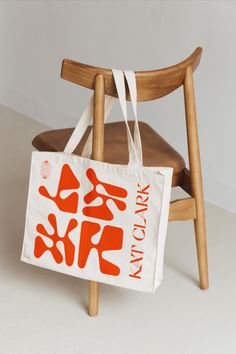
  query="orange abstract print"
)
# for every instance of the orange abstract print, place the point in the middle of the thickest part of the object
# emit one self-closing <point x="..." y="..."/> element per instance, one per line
<point x="111" y="239"/>
<point x="67" y="181"/>
<point x="110" y="236"/>
<point x="102" y="211"/>
<point x="41" y="247"/>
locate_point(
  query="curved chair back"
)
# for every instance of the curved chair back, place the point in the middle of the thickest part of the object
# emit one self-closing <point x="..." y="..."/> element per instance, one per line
<point x="150" y="84"/>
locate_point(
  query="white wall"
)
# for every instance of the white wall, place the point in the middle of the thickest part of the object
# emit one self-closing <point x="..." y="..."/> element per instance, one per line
<point x="36" y="35"/>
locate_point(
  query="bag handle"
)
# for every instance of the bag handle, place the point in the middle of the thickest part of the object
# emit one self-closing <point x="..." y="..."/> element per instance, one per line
<point x="131" y="81"/>
<point x="82" y="125"/>
<point x="134" y="153"/>
<point x="130" y="77"/>
<point x="135" y="146"/>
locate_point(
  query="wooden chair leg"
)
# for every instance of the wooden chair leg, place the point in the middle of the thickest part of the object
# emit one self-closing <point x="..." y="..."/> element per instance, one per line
<point x="93" y="298"/>
<point x="200" y="235"/>
<point x="196" y="177"/>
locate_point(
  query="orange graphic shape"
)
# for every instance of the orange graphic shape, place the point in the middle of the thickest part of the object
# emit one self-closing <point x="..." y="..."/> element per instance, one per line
<point x="111" y="239"/>
<point x="67" y="181"/>
<point x="102" y="211"/>
<point x="40" y="246"/>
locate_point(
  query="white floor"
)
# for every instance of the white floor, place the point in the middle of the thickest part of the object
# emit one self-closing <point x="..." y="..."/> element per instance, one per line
<point x="45" y="312"/>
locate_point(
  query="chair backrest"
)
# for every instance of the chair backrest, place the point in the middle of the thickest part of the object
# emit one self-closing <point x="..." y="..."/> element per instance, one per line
<point x="150" y="84"/>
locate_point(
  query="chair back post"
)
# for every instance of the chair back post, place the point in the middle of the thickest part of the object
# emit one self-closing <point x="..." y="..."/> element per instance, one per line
<point x="98" y="119"/>
<point x="97" y="154"/>
<point x="192" y="131"/>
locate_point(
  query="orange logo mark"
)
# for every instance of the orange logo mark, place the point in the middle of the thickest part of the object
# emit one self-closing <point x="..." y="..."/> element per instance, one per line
<point x="111" y="239"/>
<point x="45" y="169"/>
<point x="67" y="181"/>
<point x="102" y="211"/>
<point x="40" y="246"/>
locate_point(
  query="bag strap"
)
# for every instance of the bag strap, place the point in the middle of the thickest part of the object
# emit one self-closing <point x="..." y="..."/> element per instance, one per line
<point x="87" y="150"/>
<point x="134" y="154"/>
<point x="130" y="77"/>
<point x="86" y="120"/>
<point x="134" y="146"/>
<point x="131" y="81"/>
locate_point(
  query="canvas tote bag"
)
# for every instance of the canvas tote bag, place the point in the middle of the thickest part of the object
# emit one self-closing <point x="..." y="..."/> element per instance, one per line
<point x="96" y="220"/>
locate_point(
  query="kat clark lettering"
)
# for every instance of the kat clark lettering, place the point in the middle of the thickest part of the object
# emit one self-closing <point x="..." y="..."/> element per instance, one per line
<point x="139" y="232"/>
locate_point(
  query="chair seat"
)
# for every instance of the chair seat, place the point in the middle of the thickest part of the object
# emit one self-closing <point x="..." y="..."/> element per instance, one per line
<point x="156" y="151"/>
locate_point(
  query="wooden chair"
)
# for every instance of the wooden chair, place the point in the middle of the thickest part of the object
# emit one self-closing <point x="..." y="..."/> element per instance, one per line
<point x="156" y="151"/>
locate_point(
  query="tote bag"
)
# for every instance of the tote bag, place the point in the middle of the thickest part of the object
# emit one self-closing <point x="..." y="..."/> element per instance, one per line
<point x="96" y="220"/>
